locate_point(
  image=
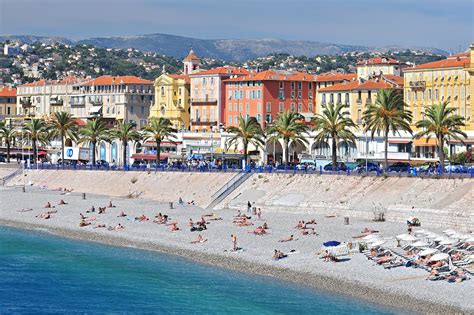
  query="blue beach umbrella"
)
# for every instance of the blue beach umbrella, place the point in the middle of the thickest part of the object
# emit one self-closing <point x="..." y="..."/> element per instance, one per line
<point x="331" y="243"/>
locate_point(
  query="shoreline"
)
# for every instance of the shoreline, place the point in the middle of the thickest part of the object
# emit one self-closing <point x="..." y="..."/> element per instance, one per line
<point x="349" y="288"/>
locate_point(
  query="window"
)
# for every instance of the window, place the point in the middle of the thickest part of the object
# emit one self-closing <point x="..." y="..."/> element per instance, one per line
<point x="281" y="84"/>
<point x="131" y="109"/>
<point x="212" y="81"/>
<point x="247" y="108"/>
<point x="180" y="91"/>
<point x="323" y="99"/>
<point x="429" y="94"/>
<point x="300" y="107"/>
<point x="292" y="94"/>
<point x="310" y="107"/>
<point x="241" y="95"/>
<point x="236" y="119"/>
<point x="240" y="108"/>
<point x="247" y="94"/>
<point x="259" y="107"/>
<point x="292" y="107"/>
<point x="142" y="110"/>
<point x="300" y="85"/>
<point x="300" y="95"/>
<point x="331" y="98"/>
<point x="259" y="94"/>
<point x="436" y="94"/>
<point x="268" y="107"/>
<point x="229" y="120"/>
<point x="339" y="98"/>
<point x="203" y="81"/>
<point x="310" y="85"/>
<point x="292" y="85"/>
<point x="162" y="91"/>
<point x="462" y="92"/>
<point x="281" y="107"/>
<point x="310" y="95"/>
<point x="346" y="102"/>
<point x="359" y="115"/>
<point x="235" y="107"/>
<point x="268" y="118"/>
<point x="281" y="94"/>
<point x="259" y="117"/>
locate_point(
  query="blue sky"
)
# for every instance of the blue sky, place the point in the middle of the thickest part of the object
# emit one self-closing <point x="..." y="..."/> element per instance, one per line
<point x="446" y="24"/>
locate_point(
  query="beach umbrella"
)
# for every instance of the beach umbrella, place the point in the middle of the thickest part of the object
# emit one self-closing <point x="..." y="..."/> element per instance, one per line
<point x="420" y="244"/>
<point x="331" y="243"/>
<point x="409" y="238"/>
<point x="448" y="231"/>
<point x="439" y="238"/>
<point x="428" y="251"/>
<point x="376" y="243"/>
<point x="439" y="256"/>
<point x="401" y="236"/>
<point x="370" y="237"/>
<point x="446" y="242"/>
<point x="452" y="232"/>
<point x="431" y="235"/>
<point x="420" y="232"/>
<point x="469" y="240"/>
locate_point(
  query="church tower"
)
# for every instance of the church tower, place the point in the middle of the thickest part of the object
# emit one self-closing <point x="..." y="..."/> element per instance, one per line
<point x="191" y="63"/>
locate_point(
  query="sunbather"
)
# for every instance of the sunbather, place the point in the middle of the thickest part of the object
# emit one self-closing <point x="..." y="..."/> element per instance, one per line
<point x="199" y="239"/>
<point x="288" y="239"/>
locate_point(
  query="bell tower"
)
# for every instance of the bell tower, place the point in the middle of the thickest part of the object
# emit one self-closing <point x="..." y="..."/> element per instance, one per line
<point x="191" y="63"/>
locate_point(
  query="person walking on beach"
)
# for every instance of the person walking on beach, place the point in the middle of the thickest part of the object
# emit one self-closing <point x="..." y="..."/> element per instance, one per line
<point x="234" y="242"/>
<point x="249" y="207"/>
<point x="259" y="214"/>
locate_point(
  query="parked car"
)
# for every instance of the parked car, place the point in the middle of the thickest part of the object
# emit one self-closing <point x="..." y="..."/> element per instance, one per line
<point x="102" y="163"/>
<point x="371" y="167"/>
<point x="306" y="166"/>
<point x="456" y="168"/>
<point x="399" y="167"/>
<point x="340" y="166"/>
<point x="3" y="159"/>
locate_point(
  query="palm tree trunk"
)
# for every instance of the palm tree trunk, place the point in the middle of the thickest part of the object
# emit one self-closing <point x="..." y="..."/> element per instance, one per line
<point x="334" y="153"/>
<point x="124" y="144"/>
<point x="158" y="152"/>
<point x="245" y="153"/>
<point x="62" y="150"/>
<point x="35" y="151"/>
<point x="93" y="152"/>
<point x="441" y="152"/>
<point x="8" y="150"/>
<point x="286" y="148"/>
<point x="386" y="151"/>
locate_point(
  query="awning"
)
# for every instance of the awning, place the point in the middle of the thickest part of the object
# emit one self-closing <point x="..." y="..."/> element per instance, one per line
<point x="149" y="157"/>
<point x="423" y="143"/>
<point x="467" y="141"/>
<point x="401" y="141"/>
<point x="95" y="110"/>
<point x="163" y="143"/>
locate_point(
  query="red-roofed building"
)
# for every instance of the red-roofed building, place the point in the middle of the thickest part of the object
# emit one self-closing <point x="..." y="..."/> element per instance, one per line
<point x="380" y="65"/>
<point x="266" y="94"/>
<point x="208" y="96"/>
<point x="7" y="102"/>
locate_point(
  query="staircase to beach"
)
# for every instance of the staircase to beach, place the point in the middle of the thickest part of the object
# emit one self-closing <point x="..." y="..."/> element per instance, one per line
<point x="228" y="188"/>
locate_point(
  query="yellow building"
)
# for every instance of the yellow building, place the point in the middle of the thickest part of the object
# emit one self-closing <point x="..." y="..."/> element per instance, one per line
<point x="172" y="99"/>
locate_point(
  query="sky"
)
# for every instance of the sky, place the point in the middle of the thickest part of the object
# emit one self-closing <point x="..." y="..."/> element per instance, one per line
<point x="445" y="24"/>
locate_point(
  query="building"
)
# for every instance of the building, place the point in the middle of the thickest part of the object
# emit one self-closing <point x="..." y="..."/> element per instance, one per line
<point x="380" y="65"/>
<point x="7" y="102"/>
<point x="266" y="94"/>
<point x="10" y="50"/>
<point x="330" y="78"/>
<point x="448" y="80"/>
<point x="208" y="97"/>
<point x="172" y="94"/>
<point x="125" y="98"/>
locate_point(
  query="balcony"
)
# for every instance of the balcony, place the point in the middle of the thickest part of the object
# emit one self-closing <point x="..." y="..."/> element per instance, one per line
<point x="203" y="123"/>
<point x="26" y="102"/>
<point x="204" y="102"/>
<point x="417" y="84"/>
<point x="96" y="102"/>
<point x="56" y="101"/>
<point x="368" y="101"/>
<point x="359" y="101"/>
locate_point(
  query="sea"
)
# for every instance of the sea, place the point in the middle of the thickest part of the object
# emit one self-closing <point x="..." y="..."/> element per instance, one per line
<point x="44" y="273"/>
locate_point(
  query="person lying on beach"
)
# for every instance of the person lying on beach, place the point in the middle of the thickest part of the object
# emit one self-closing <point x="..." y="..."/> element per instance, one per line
<point x="62" y="202"/>
<point x="110" y="204"/>
<point x="288" y="239"/>
<point x="162" y="220"/>
<point x="44" y="215"/>
<point x="241" y="215"/>
<point x="259" y="231"/>
<point x="312" y="221"/>
<point x="190" y="222"/>
<point x="366" y="230"/>
<point x="277" y="255"/>
<point x="300" y="225"/>
<point x="25" y="210"/>
<point x="119" y="227"/>
<point x="330" y="216"/>
<point x="174" y="226"/>
<point x="199" y="239"/>
<point x="142" y="218"/>
<point x="48" y="205"/>
<point x="99" y="226"/>
<point x="191" y="202"/>
<point x="91" y="210"/>
<point x="122" y="214"/>
<point x="159" y="216"/>
<point x="214" y="217"/>
<point x="102" y="210"/>
<point x="82" y="216"/>
<point x="201" y="221"/>
<point x="244" y="222"/>
<point x="84" y="223"/>
<point x="309" y="232"/>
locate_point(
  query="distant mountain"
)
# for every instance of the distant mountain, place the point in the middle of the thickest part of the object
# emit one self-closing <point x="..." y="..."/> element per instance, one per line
<point x="225" y="49"/>
<point x="30" y="39"/>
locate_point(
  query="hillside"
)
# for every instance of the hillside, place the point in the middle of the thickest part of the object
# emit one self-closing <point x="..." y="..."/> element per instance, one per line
<point x="224" y="49"/>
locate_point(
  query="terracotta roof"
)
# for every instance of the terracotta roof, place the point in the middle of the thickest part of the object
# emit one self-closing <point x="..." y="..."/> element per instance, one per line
<point x="109" y="80"/>
<point x="63" y="81"/>
<point x="36" y="83"/>
<point x="454" y="61"/>
<point x="180" y="77"/>
<point x="271" y="75"/>
<point x="7" y="91"/>
<point x="378" y="61"/>
<point x="385" y="82"/>
<point x="335" y="76"/>
<point x="223" y="70"/>
<point x="191" y="56"/>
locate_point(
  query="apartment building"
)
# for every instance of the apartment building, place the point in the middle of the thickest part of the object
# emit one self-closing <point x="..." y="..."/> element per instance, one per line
<point x="7" y="102"/>
<point x="208" y="97"/>
<point x="266" y="94"/>
<point x="380" y="65"/>
<point x="448" y="80"/>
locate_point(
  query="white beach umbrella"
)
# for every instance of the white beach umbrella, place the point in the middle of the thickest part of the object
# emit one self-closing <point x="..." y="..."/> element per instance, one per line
<point x="439" y="238"/>
<point x="452" y="232"/>
<point x="401" y="236"/>
<point x="446" y="242"/>
<point x="370" y="237"/>
<point x="469" y="240"/>
<point x="439" y="256"/>
<point x="419" y="232"/>
<point x="428" y="251"/>
<point x="449" y="231"/>
<point x="465" y="236"/>
<point x="377" y="243"/>
<point x="431" y="235"/>
<point x="420" y="244"/>
<point x="409" y="238"/>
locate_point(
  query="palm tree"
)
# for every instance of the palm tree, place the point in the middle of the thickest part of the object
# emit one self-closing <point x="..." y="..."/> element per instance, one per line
<point x="63" y="125"/>
<point x="441" y="122"/>
<point x="92" y="133"/>
<point x="288" y="126"/>
<point x="158" y="129"/>
<point x="248" y="132"/>
<point x="8" y="134"/>
<point x="334" y="122"/>
<point x="37" y="131"/>
<point x="125" y="132"/>
<point x="385" y="115"/>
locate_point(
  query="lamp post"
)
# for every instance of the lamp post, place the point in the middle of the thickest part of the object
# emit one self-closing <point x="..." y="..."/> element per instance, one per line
<point x="366" y="153"/>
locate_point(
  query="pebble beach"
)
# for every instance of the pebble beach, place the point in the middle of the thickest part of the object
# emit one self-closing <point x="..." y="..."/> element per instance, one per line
<point x="355" y="276"/>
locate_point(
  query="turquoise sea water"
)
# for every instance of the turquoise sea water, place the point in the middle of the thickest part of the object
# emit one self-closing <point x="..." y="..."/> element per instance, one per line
<point x="42" y="273"/>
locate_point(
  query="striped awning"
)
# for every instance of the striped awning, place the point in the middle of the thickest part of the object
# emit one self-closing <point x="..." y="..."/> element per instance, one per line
<point x="423" y="142"/>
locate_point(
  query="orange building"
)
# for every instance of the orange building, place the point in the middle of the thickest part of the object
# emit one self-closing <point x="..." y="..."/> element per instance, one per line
<point x="7" y="102"/>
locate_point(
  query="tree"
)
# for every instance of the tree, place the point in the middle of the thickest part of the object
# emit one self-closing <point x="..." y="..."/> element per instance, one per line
<point x="441" y="122"/>
<point x="92" y="133"/>
<point x="289" y="127"/>
<point x="385" y="115"/>
<point x="8" y="134"/>
<point x="37" y="131"/>
<point x="334" y="122"/>
<point x="158" y="129"/>
<point x="125" y="132"/>
<point x="63" y="125"/>
<point x="248" y="132"/>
